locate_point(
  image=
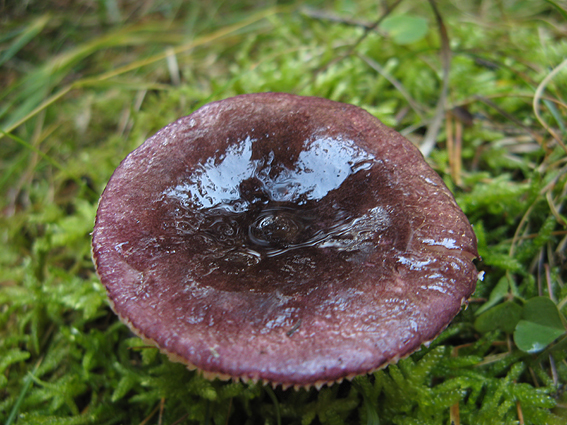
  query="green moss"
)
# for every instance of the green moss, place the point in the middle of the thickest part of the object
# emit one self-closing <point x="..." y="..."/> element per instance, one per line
<point x="73" y="112"/>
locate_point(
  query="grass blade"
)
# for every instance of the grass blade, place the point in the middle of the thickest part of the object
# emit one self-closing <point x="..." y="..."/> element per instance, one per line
<point x="24" y="38"/>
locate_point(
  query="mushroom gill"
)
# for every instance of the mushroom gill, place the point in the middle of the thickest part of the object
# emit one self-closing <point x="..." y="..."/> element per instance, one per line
<point x="292" y="240"/>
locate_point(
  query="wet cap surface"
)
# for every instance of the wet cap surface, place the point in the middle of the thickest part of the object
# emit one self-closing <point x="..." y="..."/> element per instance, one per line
<point x="293" y="240"/>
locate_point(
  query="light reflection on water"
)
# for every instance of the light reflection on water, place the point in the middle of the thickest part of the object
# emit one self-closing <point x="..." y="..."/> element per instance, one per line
<point x="246" y="205"/>
<point x="322" y="166"/>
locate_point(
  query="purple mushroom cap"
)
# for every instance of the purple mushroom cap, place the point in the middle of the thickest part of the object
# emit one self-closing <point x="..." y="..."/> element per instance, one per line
<point x="293" y="240"/>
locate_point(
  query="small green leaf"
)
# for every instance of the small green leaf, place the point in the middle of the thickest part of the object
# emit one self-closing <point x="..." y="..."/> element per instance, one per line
<point x="543" y="311"/>
<point x="503" y="316"/>
<point x="533" y="338"/>
<point x="27" y="35"/>
<point x="405" y="29"/>
<point x="541" y="325"/>
<point x="497" y="294"/>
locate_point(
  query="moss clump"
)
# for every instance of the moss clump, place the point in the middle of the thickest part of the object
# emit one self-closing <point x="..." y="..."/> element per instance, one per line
<point x="82" y="85"/>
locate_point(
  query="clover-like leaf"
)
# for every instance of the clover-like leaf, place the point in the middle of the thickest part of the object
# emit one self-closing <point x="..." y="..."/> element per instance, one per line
<point x="405" y="29"/>
<point x="541" y="324"/>
<point x="497" y="295"/>
<point x="504" y="316"/>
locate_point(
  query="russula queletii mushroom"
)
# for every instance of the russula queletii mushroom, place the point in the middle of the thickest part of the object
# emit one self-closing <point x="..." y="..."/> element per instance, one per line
<point x="293" y="240"/>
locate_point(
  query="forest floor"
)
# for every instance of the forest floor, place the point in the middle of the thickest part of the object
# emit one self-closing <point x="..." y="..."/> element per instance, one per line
<point x="480" y="87"/>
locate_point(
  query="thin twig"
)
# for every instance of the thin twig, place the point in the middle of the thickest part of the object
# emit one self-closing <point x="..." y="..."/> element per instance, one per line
<point x="554" y="209"/>
<point x="331" y="17"/>
<point x="454" y="414"/>
<point x="228" y="411"/>
<point x="161" y="408"/>
<point x="450" y="144"/>
<point x="548" y="280"/>
<point x="181" y="419"/>
<point x="510" y="117"/>
<point x="433" y="128"/>
<point x="520" y="414"/>
<point x="353" y="46"/>
<point x="455" y="154"/>
<point x="152" y="413"/>
<point x="536" y="103"/>
<point x="523" y="221"/>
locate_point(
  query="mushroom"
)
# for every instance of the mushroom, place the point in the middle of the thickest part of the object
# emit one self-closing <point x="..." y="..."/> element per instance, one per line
<point x="284" y="239"/>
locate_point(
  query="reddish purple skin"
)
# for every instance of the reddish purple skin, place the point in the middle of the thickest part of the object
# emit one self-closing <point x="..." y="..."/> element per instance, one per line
<point x="312" y="314"/>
